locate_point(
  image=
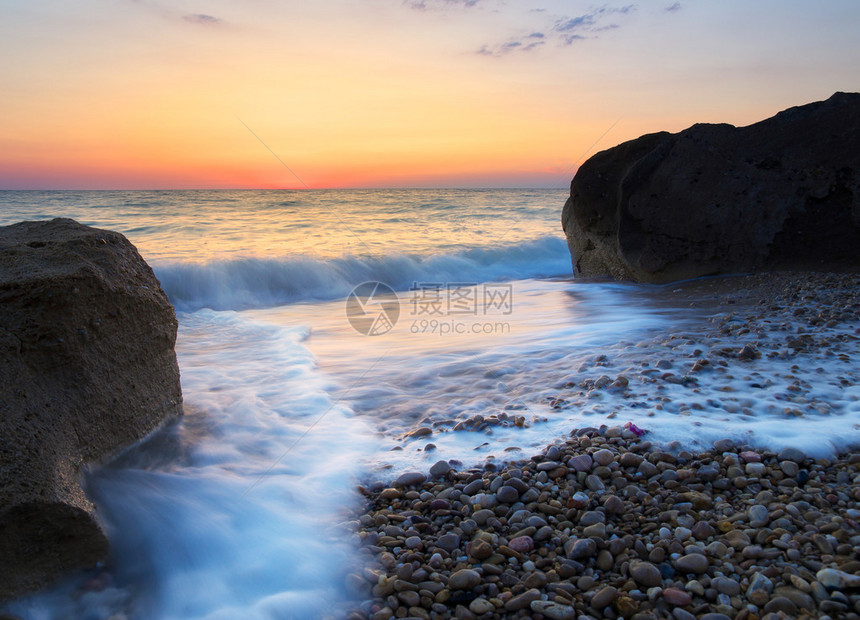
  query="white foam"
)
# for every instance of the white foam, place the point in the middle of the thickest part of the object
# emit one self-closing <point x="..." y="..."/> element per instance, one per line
<point x="240" y="524"/>
<point x="569" y="332"/>
<point x="244" y="283"/>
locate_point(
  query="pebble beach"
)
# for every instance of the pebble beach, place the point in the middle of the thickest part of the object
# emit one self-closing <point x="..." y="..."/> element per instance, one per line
<point x="609" y="522"/>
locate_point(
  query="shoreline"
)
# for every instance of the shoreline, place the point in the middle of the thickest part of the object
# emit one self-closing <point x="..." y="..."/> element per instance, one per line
<point x="605" y="524"/>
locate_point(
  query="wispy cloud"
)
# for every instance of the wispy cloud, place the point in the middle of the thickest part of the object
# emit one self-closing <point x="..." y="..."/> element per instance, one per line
<point x="201" y="18"/>
<point x="570" y="29"/>
<point x="561" y="30"/>
<point x="423" y="5"/>
<point x="167" y="12"/>
<point x="522" y="44"/>
<point x="673" y="7"/>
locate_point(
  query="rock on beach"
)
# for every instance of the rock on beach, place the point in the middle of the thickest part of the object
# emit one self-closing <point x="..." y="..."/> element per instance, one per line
<point x="781" y="193"/>
<point x="87" y="366"/>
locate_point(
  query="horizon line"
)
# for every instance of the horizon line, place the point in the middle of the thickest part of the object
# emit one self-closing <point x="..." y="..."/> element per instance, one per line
<point x="281" y="189"/>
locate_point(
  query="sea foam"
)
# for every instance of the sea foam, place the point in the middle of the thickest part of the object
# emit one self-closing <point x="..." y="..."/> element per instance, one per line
<point x="244" y="283"/>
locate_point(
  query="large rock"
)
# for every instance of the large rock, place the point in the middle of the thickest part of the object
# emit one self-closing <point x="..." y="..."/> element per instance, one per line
<point x="782" y="193"/>
<point x="87" y="366"/>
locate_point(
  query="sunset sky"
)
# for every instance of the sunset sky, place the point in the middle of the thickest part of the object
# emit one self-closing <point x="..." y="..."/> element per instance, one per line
<point x="140" y="94"/>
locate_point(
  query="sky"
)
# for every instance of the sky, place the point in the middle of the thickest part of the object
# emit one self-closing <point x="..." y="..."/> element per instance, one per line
<point x="152" y="94"/>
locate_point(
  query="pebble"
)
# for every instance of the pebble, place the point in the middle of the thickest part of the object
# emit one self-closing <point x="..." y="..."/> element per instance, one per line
<point x="646" y="574"/>
<point x="677" y="597"/>
<point x="522" y="601"/>
<point x="607" y="523"/>
<point x="603" y="597"/>
<point x="791" y="454"/>
<point x="448" y="542"/>
<point x="613" y="505"/>
<point x="481" y="606"/>
<point x="594" y="483"/>
<point x="553" y="610"/>
<point x="507" y="495"/>
<point x="837" y="579"/>
<point x="409" y="479"/>
<point x="591" y="517"/>
<point x="758" y="516"/>
<point x="464" y="579"/>
<point x="780" y="604"/>
<point x="440" y="468"/>
<point x="759" y="589"/>
<point x="692" y="563"/>
<point x="522" y="544"/>
<point x="582" y="548"/>
<point x="603" y="457"/>
<point x="725" y="585"/>
<point x="580" y="462"/>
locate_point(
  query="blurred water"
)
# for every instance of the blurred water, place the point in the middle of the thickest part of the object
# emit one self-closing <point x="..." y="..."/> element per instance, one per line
<point x="232" y="512"/>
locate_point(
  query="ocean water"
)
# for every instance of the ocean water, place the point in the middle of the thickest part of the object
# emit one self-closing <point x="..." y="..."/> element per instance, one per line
<point x="334" y="337"/>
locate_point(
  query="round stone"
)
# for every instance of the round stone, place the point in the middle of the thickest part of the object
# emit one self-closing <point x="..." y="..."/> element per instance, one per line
<point x="507" y="495"/>
<point x="613" y="505"/>
<point x="464" y="579"/>
<point x="582" y="548"/>
<point x="781" y="604"/>
<point x="646" y="574"/>
<point x="591" y="517"/>
<point x="578" y="500"/>
<point x="603" y="457"/>
<point x="440" y="504"/>
<point x="553" y="611"/>
<point x="604" y="597"/>
<point x="724" y="585"/>
<point x="410" y="478"/>
<point x="791" y="454"/>
<point x="758" y="516"/>
<point x="759" y="589"/>
<point x="580" y="462"/>
<point x="677" y="597"/>
<point x="594" y="483"/>
<point x="522" y="544"/>
<point x="448" y="542"/>
<point x="440" y="469"/>
<point x="692" y="563"/>
<point x="481" y="606"/>
<point x="523" y="600"/>
<point x="480" y="549"/>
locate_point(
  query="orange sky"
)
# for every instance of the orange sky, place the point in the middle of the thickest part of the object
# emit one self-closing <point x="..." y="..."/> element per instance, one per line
<point x="372" y="93"/>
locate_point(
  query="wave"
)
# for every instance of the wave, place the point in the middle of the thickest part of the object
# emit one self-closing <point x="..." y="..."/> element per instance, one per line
<point x="245" y="283"/>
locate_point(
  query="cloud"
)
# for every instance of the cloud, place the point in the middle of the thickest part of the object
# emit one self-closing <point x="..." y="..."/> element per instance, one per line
<point x="201" y="18"/>
<point x="570" y="29"/>
<point x="156" y="7"/>
<point x="526" y="43"/>
<point x="673" y="7"/>
<point x="423" y="5"/>
<point x="562" y="30"/>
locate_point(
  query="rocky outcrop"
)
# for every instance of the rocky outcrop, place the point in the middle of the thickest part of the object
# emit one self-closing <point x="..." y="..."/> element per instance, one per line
<point x="87" y="366"/>
<point x="782" y="193"/>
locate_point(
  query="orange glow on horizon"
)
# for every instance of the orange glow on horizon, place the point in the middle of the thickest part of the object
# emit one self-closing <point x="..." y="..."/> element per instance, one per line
<point x="135" y="95"/>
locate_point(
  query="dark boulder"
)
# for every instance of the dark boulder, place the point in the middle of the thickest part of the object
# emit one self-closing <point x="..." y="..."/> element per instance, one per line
<point x="780" y="194"/>
<point x="87" y="366"/>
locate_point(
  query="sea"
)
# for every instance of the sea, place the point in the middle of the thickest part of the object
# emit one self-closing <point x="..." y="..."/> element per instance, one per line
<point x="336" y="338"/>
